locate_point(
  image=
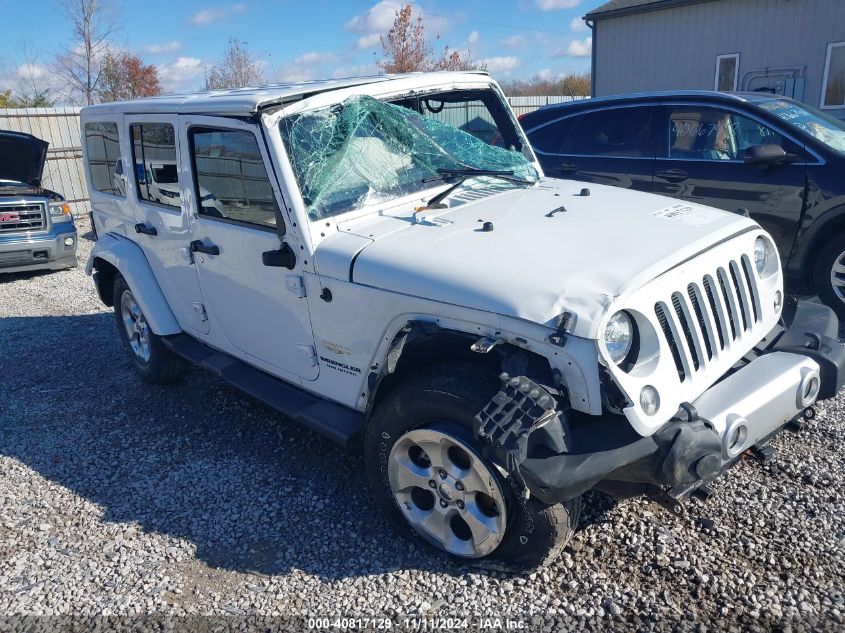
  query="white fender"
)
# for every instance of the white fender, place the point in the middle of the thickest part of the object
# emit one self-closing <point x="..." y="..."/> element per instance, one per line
<point x="129" y="259"/>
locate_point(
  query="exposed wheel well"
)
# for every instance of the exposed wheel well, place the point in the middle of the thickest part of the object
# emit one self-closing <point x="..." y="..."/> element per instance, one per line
<point x="830" y="230"/>
<point x="104" y="276"/>
<point x="421" y="345"/>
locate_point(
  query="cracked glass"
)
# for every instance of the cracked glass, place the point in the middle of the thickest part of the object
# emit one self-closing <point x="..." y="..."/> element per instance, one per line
<point x="363" y="151"/>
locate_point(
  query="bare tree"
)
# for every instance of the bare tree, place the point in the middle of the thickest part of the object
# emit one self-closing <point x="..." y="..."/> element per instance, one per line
<point x="406" y="49"/>
<point x="237" y="69"/>
<point x="456" y="60"/>
<point x="32" y="89"/>
<point x="93" y="22"/>
<point x="570" y="85"/>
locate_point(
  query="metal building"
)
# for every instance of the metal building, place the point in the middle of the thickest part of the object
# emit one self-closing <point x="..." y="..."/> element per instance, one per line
<point x="790" y="47"/>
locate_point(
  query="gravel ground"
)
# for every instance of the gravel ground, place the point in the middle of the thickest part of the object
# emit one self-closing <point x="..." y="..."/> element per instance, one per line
<point x="120" y="498"/>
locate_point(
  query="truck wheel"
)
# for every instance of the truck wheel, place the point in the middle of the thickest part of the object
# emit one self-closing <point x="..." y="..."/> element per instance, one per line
<point x="829" y="275"/>
<point x="428" y="476"/>
<point x="151" y="358"/>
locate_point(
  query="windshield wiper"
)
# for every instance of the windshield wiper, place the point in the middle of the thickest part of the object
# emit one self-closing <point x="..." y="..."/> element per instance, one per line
<point x="463" y="175"/>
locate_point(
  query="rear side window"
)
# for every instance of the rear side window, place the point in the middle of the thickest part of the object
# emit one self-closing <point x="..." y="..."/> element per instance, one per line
<point x="615" y="132"/>
<point x="702" y="133"/>
<point x="102" y="144"/>
<point x="231" y="179"/>
<point x="554" y="138"/>
<point x="154" y="157"/>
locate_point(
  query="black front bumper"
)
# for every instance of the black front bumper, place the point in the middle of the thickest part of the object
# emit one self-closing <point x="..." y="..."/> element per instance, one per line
<point x="558" y="457"/>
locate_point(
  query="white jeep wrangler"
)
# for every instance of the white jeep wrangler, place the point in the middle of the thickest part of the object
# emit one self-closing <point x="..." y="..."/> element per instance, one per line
<point x="384" y="260"/>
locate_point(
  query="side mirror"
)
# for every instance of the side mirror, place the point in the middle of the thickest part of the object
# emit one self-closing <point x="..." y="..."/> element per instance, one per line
<point x="765" y="155"/>
<point x="282" y="258"/>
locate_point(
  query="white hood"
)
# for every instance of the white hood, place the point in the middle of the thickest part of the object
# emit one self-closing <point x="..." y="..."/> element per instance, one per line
<point x="531" y="266"/>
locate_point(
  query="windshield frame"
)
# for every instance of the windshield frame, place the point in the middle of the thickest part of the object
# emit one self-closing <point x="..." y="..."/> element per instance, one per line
<point x="385" y="92"/>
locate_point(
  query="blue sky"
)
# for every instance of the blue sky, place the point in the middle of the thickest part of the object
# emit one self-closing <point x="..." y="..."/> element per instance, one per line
<point x="312" y="39"/>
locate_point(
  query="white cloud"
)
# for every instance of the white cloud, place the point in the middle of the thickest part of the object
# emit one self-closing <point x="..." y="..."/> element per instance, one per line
<point x="164" y="47"/>
<point x="473" y="38"/>
<point x="207" y="16"/>
<point x="582" y="48"/>
<point x="378" y="19"/>
<point x="183" y="73"/>
<point x="555" y="5"/>
<point x="31" y="71"/>
<point x="501" y="64"/>
<point x="576" y="48"/>
<point x="310" y="65"/>
<point x="545" y="74"/>
<point x="514" y="41"/>
<point x="354" y="71"/>
<point x="368" y="41"/>
<point x="577" y="25"/>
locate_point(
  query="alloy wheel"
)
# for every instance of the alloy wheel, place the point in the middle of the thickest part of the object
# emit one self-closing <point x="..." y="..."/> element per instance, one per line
<point x="447" y="492"/>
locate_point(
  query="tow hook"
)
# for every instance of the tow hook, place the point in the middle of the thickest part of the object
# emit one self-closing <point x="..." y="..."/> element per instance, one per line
<point x="763" y="454"/>
<point x="668" y="502"/>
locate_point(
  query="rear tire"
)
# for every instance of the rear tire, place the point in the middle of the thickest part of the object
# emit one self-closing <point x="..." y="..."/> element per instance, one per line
<point x="153" y="361"/>
<point x="444" y="399"/>
<point x="829" y="275"/>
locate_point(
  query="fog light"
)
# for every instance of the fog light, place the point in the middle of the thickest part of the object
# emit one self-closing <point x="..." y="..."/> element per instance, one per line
<point x="649" y="400"/>
<point x="68" y="241"/>
<point x="778" y="300"/>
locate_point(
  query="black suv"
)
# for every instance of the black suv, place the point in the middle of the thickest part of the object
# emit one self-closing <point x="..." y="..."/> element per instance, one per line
<point x="774" y="158"/>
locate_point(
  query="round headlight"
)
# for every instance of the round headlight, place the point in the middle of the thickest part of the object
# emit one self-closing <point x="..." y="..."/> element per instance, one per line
<point x="618" y="336"/>
<point x="763" y="254"/>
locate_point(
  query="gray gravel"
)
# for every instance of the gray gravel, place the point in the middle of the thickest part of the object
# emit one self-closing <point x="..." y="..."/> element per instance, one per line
<point x="117" y="497"/>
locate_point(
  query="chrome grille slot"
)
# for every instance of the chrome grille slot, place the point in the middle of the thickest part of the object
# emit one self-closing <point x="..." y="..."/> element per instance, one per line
<point x="703" y="322"/>
<point x="686" y="328"/>
<point x="730" y="302"/>
<point x="751" y="280"/>
<point x="660" y="310"/>
<point x="718" y="313"/>
<point x="21" y="217"/>
<point x="706" y="318"/>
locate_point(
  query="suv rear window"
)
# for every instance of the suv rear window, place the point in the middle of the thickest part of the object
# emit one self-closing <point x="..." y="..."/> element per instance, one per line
<point x="102" y="144"/>
<point x="154" y="155"/>
<point x="615" y="132"/>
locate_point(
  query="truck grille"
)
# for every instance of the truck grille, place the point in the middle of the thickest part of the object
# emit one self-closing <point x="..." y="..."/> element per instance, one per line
<point x="21" y="217"/>
<point x="709" y="316"/>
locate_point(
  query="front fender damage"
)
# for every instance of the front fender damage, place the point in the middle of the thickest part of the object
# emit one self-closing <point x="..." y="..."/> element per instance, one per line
<point x="555" y="460"/>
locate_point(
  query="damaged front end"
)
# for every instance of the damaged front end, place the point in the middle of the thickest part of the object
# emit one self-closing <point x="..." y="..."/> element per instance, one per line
<point x="557" y="454"/>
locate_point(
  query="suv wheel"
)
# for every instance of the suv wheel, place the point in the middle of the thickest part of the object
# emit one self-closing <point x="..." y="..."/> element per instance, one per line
<point x="429" y="478"/>
<point x="829" y="275"/>
<point x="151" y="358"/>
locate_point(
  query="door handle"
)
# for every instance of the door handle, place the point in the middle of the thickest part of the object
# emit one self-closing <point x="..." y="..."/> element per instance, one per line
<point x="146" y="230"/>
<point x="673" y="175"/>
<point x="198" y="246"/>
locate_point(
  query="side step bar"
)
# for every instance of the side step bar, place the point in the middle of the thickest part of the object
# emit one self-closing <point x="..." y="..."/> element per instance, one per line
<point x="333" y="421"/>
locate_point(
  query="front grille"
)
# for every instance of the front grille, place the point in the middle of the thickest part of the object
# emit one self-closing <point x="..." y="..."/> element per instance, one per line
<point x="21" y="217"/>
<point x="710" y="316"/>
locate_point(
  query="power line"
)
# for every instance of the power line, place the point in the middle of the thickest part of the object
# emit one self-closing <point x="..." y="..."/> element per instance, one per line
<point x="485" y="23"/>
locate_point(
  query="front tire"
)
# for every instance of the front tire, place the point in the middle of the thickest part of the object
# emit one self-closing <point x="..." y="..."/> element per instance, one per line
<point x="829" y="275"/>
<point x="428" y="476"/>
<point x="153" y="361"/>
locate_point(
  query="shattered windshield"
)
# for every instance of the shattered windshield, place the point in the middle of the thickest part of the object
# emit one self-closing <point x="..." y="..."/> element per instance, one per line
<point x="363" y="151"/>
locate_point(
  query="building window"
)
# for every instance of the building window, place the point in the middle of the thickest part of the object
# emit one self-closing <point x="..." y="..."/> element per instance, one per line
<point x="102" y="142"/>
<point x="833" y="85"/>
<point x="727" y="72"/>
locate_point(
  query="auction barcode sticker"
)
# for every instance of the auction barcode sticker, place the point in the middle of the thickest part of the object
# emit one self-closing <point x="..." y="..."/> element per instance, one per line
<point x="687" y="214"/>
